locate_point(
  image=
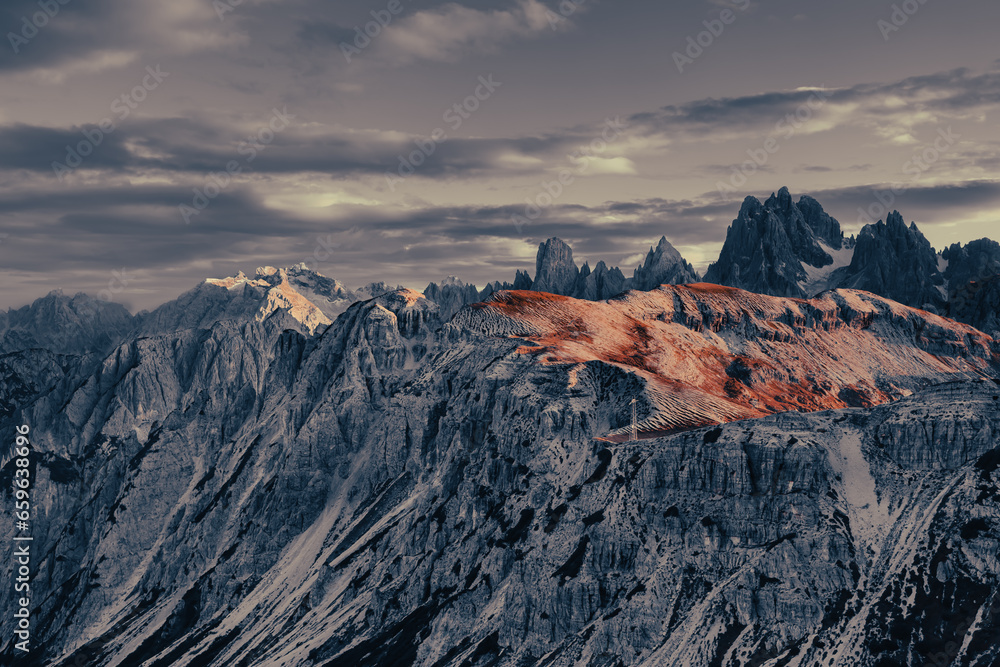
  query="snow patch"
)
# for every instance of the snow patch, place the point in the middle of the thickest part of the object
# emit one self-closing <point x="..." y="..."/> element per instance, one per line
<point x="818" y="278"/>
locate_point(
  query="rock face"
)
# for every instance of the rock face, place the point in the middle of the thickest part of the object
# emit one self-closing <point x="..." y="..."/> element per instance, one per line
<point x="978" y="303"/>
<point x="557" y="273"/>
<point x="897" y="262"/>
<point x="778" y="248"/>
<point x="451" y="295"/>
<point x="77" y="324"/>
<point x="825" y="227"/>
<point x="663" y="266"/>
<point x="601" y="283"/>
<point x="973" y="284"/>
<point x="555" y="270"/>
<point x="395" y="489"/>
<point x="975" y="261"/>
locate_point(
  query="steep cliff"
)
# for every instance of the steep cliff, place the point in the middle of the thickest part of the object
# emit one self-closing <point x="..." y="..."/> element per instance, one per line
<point x="780" y="247"/>
<point x="897" y="262"/>
<point x="395" y="489"/>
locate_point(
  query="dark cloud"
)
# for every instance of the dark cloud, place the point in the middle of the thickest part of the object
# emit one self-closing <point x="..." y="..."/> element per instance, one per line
<point x="68" y="31"/>
<point x="917" y="202"/>
<point x="200" y="147"/>
<point x="956" y="90"/>
<point x="354" y="120"/>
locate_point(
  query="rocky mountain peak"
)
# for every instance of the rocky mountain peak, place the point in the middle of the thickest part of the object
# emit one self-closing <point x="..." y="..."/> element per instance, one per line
<point x="451" y="295"/>
<point x="75" y="324"/>
<point x="826" y="227"/>
<point x="771" y="248"/>
<point x="782" y="201"/>
<point x="556" y="273"/>
<point x="977" y="260"/>
<point x="663" y="266"/>
<point x="239" y="297"/>
<point x="555" y="270"/>
<point x="898" y="262"/>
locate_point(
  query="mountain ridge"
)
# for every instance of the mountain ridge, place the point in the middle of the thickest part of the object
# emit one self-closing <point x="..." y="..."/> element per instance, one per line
<point x="382" y="489"/>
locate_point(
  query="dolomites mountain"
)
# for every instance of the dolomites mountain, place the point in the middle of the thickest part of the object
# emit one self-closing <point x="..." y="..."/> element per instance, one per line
<point x="556" y="272"/>
<point x="780" y="247"/>
<point x="897" y="261"/>
<point x="77" y="324"/>
<point x="815" y="482"/>
<point x="796" y="249"/>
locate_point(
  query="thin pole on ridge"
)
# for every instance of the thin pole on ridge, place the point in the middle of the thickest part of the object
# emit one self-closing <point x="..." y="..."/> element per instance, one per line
<point x="635" y="423"/>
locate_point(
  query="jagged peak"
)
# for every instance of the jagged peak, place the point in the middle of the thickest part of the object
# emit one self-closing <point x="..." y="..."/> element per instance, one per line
<point x="751" y="207"/>
<point x="784" y="196"/>
<point x="452" y="281"/>
<point x="405" y="294"/>
<point x="895" y="219"/>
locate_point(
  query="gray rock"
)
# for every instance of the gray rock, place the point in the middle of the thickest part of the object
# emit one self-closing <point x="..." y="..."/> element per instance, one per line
<point x="452" y="295"/>
<point x="977" y="260"/>
<point x="599" y="284"/>
<point x="394" y="489"/>
<point x="663" y="266"/>
<point x="977" y="302"/>
<point x="71" y="325"/>
<point x="769" y="245"/>
<point x="897" y="262"/>
<point x="555" y="270"/>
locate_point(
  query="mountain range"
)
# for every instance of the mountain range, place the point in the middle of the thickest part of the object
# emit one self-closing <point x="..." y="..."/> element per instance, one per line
<point x="278" y="470"/>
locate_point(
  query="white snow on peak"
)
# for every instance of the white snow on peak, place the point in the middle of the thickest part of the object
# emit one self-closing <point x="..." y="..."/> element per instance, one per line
<point x="277" y="294"/>
<point x="942" y="263"/>
<point x="818" y="278"/>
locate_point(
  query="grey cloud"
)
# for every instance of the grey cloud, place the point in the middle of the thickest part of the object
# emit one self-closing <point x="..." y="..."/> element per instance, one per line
<point x="189" y="145"/>
<point x="65" y="35"/>
<point x="920" y="200"/>
<point x="955" y="90"/>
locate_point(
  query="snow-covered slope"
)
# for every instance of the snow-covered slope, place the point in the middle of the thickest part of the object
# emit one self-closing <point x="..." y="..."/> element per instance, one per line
<point x="237" y="298"/>
<point x="818" y="278"/>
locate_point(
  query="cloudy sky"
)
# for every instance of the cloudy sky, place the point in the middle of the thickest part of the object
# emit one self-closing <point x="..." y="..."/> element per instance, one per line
<point x="455" y="136"/>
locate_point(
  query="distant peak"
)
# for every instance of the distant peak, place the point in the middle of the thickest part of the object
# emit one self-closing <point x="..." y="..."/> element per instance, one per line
<point x="751" y="207"/>
<point x="784" y="198"/>
<point x="895" y="219"/>
<point x="555" y="242"/>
